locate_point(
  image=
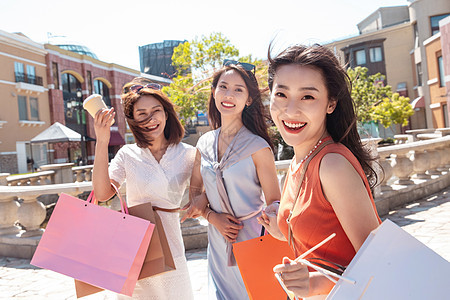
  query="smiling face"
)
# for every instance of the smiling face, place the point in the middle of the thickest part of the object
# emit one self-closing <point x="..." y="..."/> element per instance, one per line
<point x="148" y="106"/>
<point x="231" y="95"/>
<point x="299" y="104"/>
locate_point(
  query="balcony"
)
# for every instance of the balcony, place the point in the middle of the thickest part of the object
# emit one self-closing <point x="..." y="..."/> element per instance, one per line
<point x="29" y="82"/>
<point x="31" y="79"/>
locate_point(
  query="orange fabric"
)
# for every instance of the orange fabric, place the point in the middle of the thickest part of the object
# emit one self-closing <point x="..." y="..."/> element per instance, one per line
<point x="313" y="218"/>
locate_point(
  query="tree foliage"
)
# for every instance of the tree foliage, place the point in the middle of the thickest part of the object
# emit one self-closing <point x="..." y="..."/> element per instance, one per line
<point x="195" y="62"/>
<point x="396" y="110"/>
<point x="375" y="101"/>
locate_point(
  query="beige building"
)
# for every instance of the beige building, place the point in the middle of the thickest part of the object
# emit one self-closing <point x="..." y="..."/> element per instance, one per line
<point x="383" y="46"/>
<point x="437" y="74"/>
<point x="24" y="107"/>
<point x="425" y="16"/>
<point x="391" y="42"/>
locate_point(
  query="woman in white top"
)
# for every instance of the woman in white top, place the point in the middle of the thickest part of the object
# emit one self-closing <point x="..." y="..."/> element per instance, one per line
<point x="157" y="169"/>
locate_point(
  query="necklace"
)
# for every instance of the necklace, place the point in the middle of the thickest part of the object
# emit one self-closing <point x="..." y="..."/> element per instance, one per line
<point x="296" y="166"/>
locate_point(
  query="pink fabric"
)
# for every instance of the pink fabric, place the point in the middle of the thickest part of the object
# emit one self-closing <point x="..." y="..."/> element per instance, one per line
<point x="94" y="244"/>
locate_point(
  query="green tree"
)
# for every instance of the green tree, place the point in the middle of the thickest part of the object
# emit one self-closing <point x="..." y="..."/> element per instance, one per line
<point x="375" y="101"/>
<point x="195" y="63"/>
<point x="396" y="110"/>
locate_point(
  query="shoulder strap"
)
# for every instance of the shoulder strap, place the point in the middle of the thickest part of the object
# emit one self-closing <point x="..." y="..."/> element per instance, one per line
<point x="299" y="185"/>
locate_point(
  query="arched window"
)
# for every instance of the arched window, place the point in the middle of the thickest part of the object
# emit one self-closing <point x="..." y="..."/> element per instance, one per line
<point x="74" y="113"/>
<point x="101" y="88"/>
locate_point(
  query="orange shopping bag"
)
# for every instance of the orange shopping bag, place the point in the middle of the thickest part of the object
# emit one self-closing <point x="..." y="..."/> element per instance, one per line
<point x="256" y="259"/>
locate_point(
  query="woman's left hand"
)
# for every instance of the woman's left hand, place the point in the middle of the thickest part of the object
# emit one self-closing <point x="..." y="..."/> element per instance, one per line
<point x="195" y="207"/>
<point x="268" y="219"/>
<point x="295" y="276"/>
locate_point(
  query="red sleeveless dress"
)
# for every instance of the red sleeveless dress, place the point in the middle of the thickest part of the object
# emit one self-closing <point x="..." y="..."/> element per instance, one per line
<point x="313" y="218"/>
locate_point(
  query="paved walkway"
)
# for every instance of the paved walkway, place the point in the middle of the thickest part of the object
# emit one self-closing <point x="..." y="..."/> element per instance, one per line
<point x="427" y="220"/>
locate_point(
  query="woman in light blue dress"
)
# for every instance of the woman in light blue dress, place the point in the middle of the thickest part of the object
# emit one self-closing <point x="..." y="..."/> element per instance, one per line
<point x="238" y="171"/>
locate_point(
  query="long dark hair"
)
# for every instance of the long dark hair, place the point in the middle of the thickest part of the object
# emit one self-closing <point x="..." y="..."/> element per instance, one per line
<point x="341" y="124"/>
<point x="253" y="116"/>
<point x="173" y="131"/>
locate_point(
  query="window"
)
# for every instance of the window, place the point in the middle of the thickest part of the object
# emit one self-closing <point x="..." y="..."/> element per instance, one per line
<point x="416" y="36"/>
<point x="419" y="74"/>
<point x="31" y="74"/>
<point x="89" y="81"/>
<point x="55" y="75"/>
<point x="441" y="72"/>
<point x="23" y="109"/>
<point x="19" y="72"/>
<point x="434" y="22"/>
<point x="101" y="88"/>
<point x="360" y="56"/>
<point x="375" y="54"/>
<point x="34" y="109"/>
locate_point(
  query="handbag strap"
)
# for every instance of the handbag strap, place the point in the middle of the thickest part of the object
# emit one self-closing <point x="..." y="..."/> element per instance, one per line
<point x="314" y="152"/>
<point x="123" y="205"/>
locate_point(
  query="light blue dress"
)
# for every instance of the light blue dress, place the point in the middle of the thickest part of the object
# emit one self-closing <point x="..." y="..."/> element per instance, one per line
<point x="245" y="196"/>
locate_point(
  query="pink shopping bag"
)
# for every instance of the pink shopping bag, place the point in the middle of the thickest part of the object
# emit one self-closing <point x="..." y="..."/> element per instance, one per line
<point x="94" y="244"/>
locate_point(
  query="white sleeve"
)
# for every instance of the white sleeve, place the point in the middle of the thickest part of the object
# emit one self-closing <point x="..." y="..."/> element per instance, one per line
<point x="117" y="167"/>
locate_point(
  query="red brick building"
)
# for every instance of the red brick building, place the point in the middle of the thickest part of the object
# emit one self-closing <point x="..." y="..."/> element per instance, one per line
<point x="71" y="78"/>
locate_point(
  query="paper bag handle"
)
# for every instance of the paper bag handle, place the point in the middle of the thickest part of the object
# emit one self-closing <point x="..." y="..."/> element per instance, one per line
<point x="123" y="205"/>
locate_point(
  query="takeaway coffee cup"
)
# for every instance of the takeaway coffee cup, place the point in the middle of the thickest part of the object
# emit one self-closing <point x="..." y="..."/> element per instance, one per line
<point x="93" y="104"/>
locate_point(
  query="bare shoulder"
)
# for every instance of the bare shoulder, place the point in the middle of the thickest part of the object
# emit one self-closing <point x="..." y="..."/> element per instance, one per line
<point x="335" y="168"/>
<point x="263" y="155"/>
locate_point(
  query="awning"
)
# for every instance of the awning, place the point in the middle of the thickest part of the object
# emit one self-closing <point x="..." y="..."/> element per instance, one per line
<point x="57" y="133"/>
<point x="116" y="139"/>
<point x="418" y="102"/>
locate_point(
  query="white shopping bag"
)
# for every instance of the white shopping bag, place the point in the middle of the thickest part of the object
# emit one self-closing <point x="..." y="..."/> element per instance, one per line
<point x="392" y="264"/>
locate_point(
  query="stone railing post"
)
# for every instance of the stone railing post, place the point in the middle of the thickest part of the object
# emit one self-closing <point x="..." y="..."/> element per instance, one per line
<point x="8" y="215"/>
<point x="442" y="151"/>
<point x="88" y="174"/>
<point x="403" y="167"/>
<point x="79" y="175"/>
<point x="422" y="163"/>
<point x="435" y="161"/>
<point x="3" y="180"/>
<point x="282" y="170"/>
<point x="31" y="214"/>
<point x="63" y="172"/>
<point x="388" y="171"/>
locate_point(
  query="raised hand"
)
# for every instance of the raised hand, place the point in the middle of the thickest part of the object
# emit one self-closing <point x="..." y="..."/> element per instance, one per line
<point x="102" y="123"/>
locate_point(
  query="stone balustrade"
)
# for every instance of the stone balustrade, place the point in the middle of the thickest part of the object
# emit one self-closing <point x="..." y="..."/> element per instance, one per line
<point x="21" y="215"/>
<point x="57" y="173"/>
<point x="411" y="171"/>
<point x="82" y="173"/>
<point x="37" y="178"/>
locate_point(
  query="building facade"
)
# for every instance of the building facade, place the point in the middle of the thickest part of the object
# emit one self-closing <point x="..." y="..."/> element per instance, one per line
<point x="445" y="43"/>
<point x="70" y="72"/>
<point x="24" y="101"/>
<point x="438" y="74"/>
<point x="425" y="16"/>
<point x="156" y="59"/>
<point x="383" y="48"/>
<point x="44" y="84"/>
<point x="393" y="41"/>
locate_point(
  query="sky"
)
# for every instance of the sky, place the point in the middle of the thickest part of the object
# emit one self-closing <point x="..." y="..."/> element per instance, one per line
<point x="114" y="30"/>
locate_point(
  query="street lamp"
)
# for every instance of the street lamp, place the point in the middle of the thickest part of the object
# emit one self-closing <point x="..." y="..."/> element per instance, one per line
<point x="78" y="105"/>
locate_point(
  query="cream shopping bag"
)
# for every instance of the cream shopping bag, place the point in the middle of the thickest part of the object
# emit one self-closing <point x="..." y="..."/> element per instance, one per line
<point x="392" y="264"/>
